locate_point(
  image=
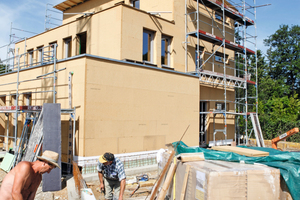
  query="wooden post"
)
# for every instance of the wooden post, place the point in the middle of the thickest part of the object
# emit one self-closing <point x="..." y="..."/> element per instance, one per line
<point x="155" y="188"/>
<point x="167" y="182"/>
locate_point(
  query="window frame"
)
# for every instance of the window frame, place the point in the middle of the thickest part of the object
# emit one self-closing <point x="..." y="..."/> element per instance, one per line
<point x="51" y="49"/>
<point x="150" y="45"/>
<point x="67" y="47"/>
<point x="40" y="52"/>
<point x="201" y="49"/>
<point x="30" y="57"/>
<point x="217" y="104"/>
<point x="167" y="50"/>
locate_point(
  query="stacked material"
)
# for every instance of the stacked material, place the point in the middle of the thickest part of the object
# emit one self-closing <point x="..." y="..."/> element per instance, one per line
<point x="227" y="180"/>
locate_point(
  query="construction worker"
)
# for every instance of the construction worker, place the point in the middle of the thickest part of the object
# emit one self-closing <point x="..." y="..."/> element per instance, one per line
<point x="111" y="176"/>
<point x="24" y="179"/>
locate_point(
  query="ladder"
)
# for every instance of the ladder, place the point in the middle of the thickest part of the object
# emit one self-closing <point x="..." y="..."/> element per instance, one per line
<point x="257" y="130"/>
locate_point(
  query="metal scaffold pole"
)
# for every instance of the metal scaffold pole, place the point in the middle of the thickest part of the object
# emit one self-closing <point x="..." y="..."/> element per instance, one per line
<point x="16" y="103"/>
<point x="224" y="66"/>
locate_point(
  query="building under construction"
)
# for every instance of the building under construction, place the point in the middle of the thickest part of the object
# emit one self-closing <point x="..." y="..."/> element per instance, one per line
<point x="133" y="75"/>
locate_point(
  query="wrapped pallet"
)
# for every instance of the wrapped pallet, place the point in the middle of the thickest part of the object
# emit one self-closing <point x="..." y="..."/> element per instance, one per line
<point x="210" y="180"/>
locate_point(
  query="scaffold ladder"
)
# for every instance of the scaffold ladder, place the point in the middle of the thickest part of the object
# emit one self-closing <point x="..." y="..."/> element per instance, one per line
<point x="257" y="130"/>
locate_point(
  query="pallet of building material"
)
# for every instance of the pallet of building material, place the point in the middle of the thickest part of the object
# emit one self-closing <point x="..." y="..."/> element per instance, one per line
<point x="241" y="151"/>
<point x="223" y="180"/>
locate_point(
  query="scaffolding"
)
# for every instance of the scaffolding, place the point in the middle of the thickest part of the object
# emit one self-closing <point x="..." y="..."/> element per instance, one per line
<point x="23" y="62"/>
<point x="211" y="21"/>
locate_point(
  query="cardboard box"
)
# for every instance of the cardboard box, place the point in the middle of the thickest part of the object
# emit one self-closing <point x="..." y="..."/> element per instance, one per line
<point x="211" y="180"/>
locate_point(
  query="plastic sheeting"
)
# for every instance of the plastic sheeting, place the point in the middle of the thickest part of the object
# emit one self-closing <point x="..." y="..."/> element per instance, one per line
<point x="287" y="162"/>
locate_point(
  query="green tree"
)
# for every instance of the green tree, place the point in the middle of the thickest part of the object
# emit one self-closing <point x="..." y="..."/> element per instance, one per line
<point x="284" y="58"/>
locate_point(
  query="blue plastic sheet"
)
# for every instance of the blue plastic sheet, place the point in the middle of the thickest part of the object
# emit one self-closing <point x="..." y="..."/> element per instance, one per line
<point x="287" y="162"/>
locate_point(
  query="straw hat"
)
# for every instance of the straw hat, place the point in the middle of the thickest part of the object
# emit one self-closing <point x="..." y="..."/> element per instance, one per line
<point x="50" y="157"/>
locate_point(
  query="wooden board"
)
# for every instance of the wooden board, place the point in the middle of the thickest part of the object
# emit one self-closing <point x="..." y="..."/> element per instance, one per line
<point x="187" y="171"/>
<point x="191" y="157"/>
<point x="241" y="151"/>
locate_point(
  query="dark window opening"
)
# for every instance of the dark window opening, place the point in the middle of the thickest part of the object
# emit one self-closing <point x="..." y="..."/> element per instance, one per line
<point x="135" y="4"/>
<point x="203" y="125"/>
<point x="82" y="43"/>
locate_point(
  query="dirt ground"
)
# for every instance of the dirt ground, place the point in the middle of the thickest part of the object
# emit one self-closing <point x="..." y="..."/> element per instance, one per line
<point x="140" y="194"/>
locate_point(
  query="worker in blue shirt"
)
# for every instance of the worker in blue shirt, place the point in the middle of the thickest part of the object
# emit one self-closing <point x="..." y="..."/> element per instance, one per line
<point x="111" y="176"/>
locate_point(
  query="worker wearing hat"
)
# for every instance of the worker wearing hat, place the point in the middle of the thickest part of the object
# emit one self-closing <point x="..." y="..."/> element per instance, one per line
<point x="24" y="179"/>
<point x="111" y="176"/>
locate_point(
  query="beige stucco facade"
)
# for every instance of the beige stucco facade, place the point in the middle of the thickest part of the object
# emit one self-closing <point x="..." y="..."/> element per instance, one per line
<point x="124" y="104"/>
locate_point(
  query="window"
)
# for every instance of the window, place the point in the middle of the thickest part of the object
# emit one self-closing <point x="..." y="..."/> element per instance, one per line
<point x="67" y="47"/>
<point x="40" y="53"/>
<point x="52" y="49"/>
<point x="30" y="57"/>
<point x="135" y="3"/>
<point x="218" y="16"/>
<point x="219" y="57"/>
<point x="200" y="58"/>
<point x="203" y="124"/>
<point x="221" y="106"/>
<point x="165" y="50"/>
<point x="82" y="43"/>
<point x="27" y="99"/>
<point x="148" y="37"/>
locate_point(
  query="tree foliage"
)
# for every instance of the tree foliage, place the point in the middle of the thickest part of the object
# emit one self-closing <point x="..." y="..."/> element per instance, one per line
<point x="284" y="57"/>
<point x="278" y="82"/>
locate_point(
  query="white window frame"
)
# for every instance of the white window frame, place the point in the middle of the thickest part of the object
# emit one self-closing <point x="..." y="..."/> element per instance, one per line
<point x="67" y="42"/>
<point x="40" y="54"/>
<point x="30" y="57"/>
<point x="168" y="54"/>
<point x="151" y="33"/>
<point x="52" y="46"/>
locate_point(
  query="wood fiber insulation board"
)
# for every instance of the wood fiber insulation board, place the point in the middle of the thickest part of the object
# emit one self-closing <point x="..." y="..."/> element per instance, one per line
<point x="221" y="180"/>
<point x="241" y="151"/>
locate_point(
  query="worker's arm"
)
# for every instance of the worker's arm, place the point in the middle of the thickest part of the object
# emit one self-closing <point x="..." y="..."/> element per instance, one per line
<point x="122" y="188"/>
<point x="100" y="175"/>
<point x="22" y="174"/>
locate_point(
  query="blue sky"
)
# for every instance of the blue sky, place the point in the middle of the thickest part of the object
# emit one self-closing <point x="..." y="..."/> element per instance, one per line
<point x="29" y="15"/>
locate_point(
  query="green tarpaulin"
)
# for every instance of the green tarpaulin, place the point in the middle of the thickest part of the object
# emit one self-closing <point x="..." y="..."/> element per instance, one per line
<point x="287" y="162"/>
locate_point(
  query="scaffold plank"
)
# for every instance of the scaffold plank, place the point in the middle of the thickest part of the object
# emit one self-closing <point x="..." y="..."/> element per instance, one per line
<point x="218" y="40"/>
<point x="230" y="12"/>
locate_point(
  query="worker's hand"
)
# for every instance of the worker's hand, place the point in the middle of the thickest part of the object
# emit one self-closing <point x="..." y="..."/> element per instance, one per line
<point x="101" y="187"/>
<point x="120" y="197"/>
